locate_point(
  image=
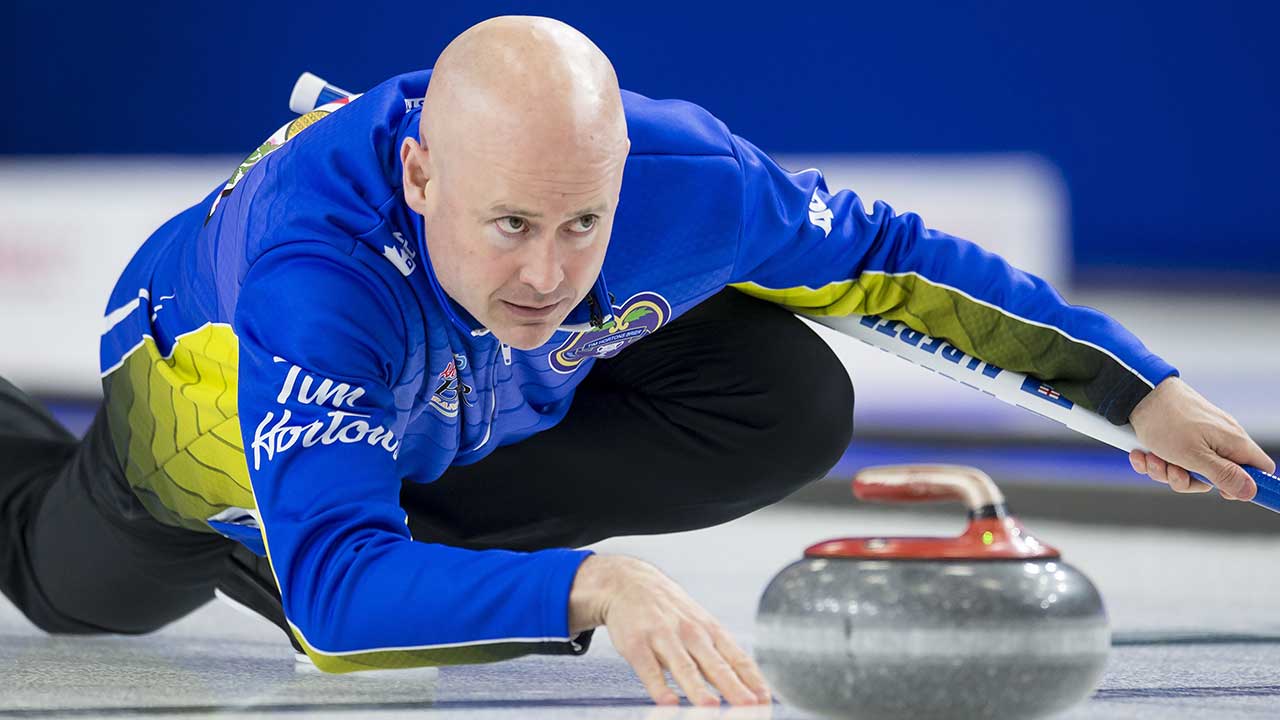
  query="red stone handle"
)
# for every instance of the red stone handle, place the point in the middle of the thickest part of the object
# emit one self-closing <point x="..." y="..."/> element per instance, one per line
<point x="992" y="534"/>
<point x="926" y="483"/>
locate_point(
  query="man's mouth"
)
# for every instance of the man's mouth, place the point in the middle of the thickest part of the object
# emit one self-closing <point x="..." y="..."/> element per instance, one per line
<point x="531" y="312"/>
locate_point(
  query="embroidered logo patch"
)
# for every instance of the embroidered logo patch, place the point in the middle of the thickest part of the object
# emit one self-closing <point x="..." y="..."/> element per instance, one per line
<point x="450" y="390"/>
<point x="642" y="314"/>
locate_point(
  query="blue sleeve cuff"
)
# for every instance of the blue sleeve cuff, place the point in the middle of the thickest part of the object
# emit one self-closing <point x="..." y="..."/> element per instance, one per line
<point x="558" y="585"/>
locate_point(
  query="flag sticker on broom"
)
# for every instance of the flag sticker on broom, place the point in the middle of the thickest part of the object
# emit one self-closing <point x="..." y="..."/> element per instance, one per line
<point x="1045" y="392"/>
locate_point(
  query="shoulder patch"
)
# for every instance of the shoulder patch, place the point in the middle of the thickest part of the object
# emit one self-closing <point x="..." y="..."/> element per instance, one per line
<point x="286" y="133"/>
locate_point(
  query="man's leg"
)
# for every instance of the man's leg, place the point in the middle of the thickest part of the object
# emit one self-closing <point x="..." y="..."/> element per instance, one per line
<point x="78" y="553"/>
<point x="730" y="408"/>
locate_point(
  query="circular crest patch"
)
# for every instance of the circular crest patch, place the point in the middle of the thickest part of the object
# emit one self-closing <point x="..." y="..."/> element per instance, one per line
<point x="641" y="315"/>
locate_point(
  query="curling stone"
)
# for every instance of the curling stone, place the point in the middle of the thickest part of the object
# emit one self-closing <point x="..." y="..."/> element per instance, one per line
<point x="990" y="624"/>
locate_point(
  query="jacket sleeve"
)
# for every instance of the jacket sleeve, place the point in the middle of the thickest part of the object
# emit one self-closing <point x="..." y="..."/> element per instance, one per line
<point x="322" y="347"/>
<point x="820" y="253"/>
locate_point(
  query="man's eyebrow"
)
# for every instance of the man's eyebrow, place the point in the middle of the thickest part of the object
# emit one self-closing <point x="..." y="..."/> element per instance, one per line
<point x="593" y="210"/>
<point x="504" y="209"/>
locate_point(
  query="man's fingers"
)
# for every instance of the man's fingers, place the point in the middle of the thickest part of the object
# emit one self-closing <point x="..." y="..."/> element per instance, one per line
<point x="1139" y="461"/>
<point x="716" y="669"/>
<point x="742" y="664"/>
<point x="1156" y="467"/>
<point x="1175" y="476"/>
<point x="647" y="668"/>
<point x="1232" y="482"/>
<point x="684" y="670"/>
<point x="1181" y="481"/>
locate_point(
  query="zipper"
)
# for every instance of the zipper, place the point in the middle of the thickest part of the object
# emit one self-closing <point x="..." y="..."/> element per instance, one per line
<point x="505" y="350"/>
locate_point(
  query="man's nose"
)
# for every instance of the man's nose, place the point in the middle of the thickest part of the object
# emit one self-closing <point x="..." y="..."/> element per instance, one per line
<point x="541" y="267"/>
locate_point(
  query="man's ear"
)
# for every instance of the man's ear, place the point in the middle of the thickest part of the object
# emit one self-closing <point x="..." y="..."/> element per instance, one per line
<point x="414" y="159"/>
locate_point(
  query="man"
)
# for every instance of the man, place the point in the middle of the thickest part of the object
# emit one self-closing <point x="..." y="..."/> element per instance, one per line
<point x="376" y="387"/>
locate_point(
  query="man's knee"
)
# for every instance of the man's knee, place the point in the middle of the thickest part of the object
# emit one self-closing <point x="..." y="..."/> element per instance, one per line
<point x="801" y="413"/>
<point x="813" y="430"/>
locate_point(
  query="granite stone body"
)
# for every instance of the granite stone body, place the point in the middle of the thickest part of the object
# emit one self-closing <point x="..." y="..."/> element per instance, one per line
<point x="921" y="639"/>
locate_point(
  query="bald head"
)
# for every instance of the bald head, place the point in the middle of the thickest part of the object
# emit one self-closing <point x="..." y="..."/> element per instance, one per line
<point x="515" y="84"/>
<point x="518" y="173"/>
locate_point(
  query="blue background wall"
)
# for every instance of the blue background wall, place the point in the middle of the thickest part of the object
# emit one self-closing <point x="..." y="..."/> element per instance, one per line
<point x="1162" y="116"/>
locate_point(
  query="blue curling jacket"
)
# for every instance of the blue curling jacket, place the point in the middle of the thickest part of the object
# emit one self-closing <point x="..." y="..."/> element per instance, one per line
<point x="280" y="356"/>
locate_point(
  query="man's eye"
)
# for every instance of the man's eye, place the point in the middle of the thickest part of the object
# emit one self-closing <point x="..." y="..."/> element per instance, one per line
<point x="512" y="225"/>
<point x="584" y="223"/>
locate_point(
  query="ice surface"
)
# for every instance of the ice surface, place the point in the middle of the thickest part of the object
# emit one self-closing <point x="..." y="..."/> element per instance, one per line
<point x="218" y="660"/>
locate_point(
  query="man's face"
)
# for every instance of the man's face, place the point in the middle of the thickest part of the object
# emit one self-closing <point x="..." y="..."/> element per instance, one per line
<point x="516" y="235"/>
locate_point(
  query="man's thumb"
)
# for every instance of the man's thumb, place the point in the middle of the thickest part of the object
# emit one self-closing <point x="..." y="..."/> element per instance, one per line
<point x="1230" y="478"/>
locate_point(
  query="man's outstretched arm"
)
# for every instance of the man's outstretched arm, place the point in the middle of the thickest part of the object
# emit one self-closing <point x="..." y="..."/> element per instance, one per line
<point x="822" y="253"/>
<point x="321" y="350"/>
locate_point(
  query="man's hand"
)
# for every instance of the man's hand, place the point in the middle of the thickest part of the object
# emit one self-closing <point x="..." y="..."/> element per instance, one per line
<point x="1186" y="432"/>
<point x="656" y="626"/>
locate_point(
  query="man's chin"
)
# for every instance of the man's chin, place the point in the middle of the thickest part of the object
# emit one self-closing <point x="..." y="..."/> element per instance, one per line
<point x="526" y="337"/>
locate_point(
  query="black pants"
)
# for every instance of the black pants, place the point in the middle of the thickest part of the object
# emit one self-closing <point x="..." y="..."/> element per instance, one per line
<point x="728" y="409"/>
